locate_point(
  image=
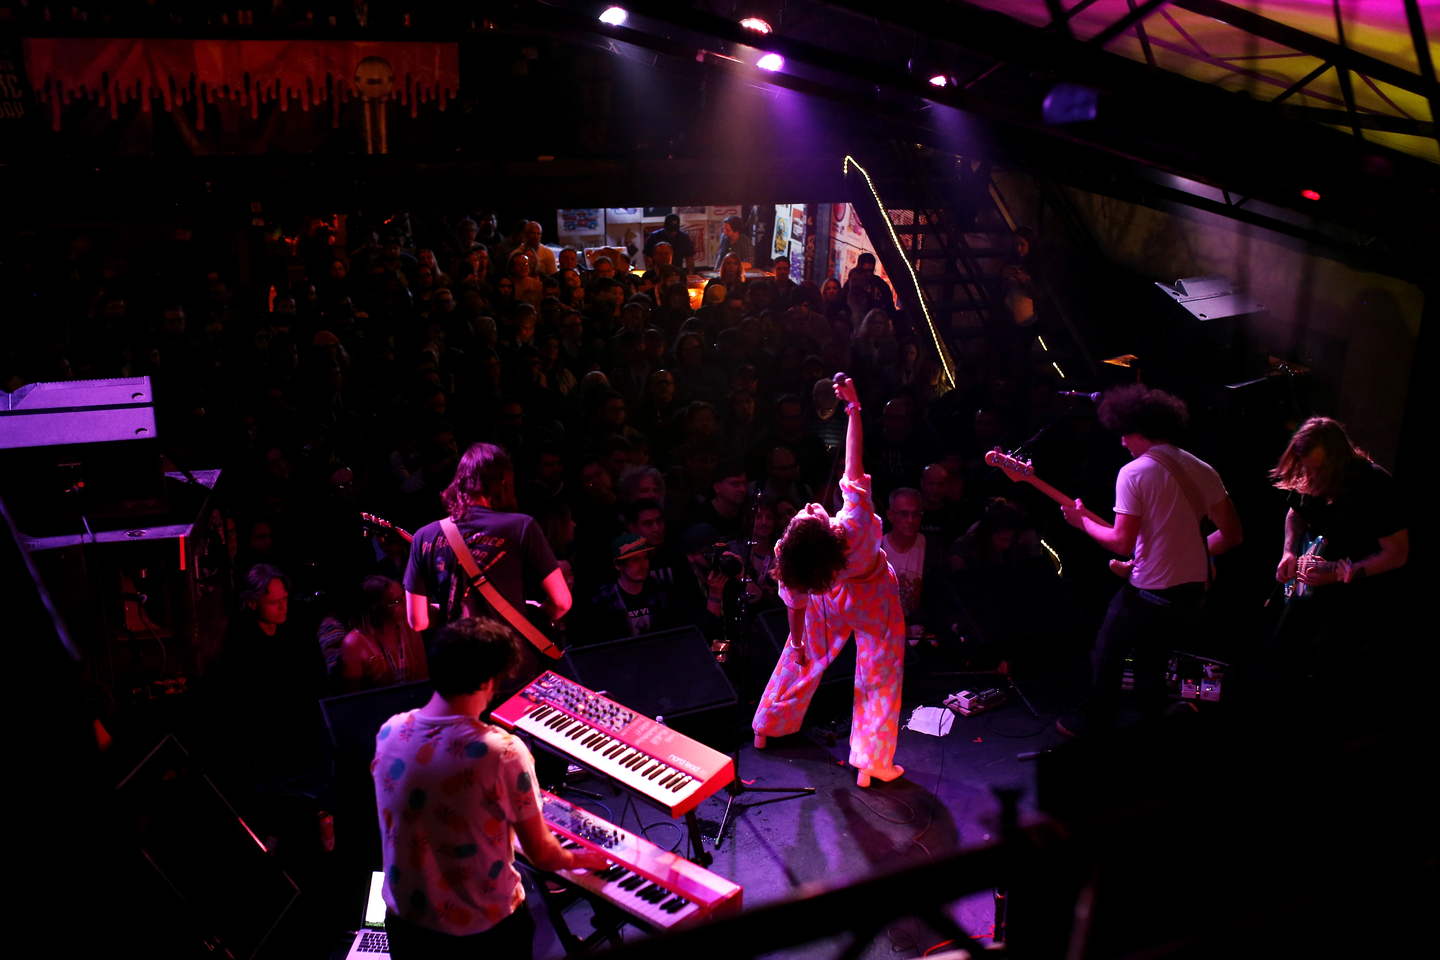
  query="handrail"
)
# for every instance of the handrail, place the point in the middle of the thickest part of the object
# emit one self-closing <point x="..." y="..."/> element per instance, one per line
<point x="947" y="363"/>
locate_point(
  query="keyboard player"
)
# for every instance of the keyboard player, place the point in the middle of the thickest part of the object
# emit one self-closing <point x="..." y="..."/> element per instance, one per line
<point x="453" y="795"/>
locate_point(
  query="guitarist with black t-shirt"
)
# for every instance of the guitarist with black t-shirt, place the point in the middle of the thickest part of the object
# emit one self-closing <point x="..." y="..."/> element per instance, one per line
<point x="509" y="548"/>
<point x="1340" y="494"/>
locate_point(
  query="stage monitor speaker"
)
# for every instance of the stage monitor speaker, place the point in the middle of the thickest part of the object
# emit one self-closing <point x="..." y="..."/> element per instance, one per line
<point x="353" y="719"/>
<point x="772" y="629"/>
<point x="671" y="673"/>
<point x="228" y="889"/>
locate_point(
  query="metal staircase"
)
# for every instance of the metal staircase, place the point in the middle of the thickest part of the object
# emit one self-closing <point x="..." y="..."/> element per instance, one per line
<point x="949" y="233"/>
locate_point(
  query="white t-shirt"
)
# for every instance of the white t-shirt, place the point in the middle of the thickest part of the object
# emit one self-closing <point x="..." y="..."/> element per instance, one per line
<point x="909" y="569"/>
<point x="1169" y="550"/>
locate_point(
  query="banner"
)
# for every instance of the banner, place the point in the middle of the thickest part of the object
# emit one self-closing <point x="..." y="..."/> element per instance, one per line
<point x="230" y="81"/>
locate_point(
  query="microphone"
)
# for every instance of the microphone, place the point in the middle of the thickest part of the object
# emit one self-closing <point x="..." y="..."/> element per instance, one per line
<point x="840" y="378"/>
<point x="1095" y="397"/>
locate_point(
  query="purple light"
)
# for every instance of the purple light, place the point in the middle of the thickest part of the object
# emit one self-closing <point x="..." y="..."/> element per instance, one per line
<point x="615" y="16"/>
<point x="939" y="80"/>
<point x="770" y="62"/>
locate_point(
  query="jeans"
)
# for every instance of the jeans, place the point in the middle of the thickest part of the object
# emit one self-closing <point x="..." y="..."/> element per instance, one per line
<point x="511" y="939"/>
<point x="1145" y="625"/>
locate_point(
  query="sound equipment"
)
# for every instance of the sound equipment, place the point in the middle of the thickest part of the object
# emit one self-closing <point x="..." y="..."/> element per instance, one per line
<point x="352" y="720"/>
<point x="655" y="887"/>
<point x="80" y="453"/>
<point x="648" y="758"/>
<point x="226" y="887"/>
<point x="773" y="629"/>
<point x="669" y="673"/>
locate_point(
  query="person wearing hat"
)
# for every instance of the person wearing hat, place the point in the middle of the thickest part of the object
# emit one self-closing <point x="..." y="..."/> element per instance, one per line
<point x="678" y="239"/>
<point x="632" y="604"/>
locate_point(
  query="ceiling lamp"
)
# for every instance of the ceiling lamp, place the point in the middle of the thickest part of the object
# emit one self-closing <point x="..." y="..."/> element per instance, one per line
<point x="615" y="16"/>
<point x="756" y="24"/>
<point x="770" y="62"/>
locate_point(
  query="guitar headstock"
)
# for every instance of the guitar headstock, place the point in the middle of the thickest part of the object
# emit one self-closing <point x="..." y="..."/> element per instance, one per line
<point x="380" y="523"/>
<point x="1013" y="467"/>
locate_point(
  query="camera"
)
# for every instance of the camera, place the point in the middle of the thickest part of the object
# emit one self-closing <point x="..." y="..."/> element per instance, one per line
<point x="716" y="558"/>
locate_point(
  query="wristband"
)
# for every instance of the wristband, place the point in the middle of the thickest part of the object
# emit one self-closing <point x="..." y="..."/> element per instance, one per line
<point x="853" y="407"/>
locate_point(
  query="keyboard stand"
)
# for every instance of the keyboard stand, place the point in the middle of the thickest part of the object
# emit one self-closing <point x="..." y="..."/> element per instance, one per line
<point x="607" y="919"/>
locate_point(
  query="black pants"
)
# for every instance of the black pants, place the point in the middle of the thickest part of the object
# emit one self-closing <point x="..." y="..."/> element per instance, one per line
<point x="1145" y="625"/>
<point x="511" y="939"/>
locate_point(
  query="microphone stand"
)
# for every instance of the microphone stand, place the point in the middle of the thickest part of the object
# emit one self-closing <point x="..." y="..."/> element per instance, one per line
<point x="744" y="636"/>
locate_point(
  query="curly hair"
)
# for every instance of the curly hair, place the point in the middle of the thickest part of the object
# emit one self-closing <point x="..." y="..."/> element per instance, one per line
<point x="1317" y="433"/>
<point x="464" y="655"/>
<point x="811" y="555"/>
<point x="484" y="471"/>
<point x="1154" y="414"/>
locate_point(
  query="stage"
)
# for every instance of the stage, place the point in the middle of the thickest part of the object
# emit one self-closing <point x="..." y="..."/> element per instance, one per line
<point x="945" y="802"/>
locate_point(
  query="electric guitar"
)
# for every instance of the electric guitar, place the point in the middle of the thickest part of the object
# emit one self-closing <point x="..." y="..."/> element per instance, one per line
<point x="374" y="524"/>
<point x="1023" y="471"/>
<point x="531" y="610"/>
<point x="1314" y="554"/>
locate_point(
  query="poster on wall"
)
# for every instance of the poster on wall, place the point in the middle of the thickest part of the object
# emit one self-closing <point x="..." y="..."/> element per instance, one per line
<point x="658" y="213"/>
<point x="797" y="261"/>
<point x="590" y="220"/>
<point x="782" y="231"/>
<point x="622" y="214"/>
<point x="797" y="222"/>
<point x="725" y="210"/>
<point x="690" y="211"/>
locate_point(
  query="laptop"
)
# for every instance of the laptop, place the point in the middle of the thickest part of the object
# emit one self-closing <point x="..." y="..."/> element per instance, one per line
<point x="371" y="941"/>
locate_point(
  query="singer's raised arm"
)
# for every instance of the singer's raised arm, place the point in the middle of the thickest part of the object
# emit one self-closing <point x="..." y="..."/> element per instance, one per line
<point x="854" y="434"/>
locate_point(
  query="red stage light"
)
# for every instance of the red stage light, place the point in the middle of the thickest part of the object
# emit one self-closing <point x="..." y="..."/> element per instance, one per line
<point x="1310" y="194"/>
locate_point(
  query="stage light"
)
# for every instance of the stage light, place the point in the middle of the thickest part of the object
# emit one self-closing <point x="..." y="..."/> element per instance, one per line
<point x="939" y="80"/>
<point x="615" y="16"/>
<point x="756" y="24"/>
<point x="1310" y="194"/>
<point x="771" y="62"/>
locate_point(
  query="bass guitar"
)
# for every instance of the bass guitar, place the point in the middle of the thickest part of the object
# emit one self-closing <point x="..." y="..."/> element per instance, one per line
<point x="1023" y="471"/>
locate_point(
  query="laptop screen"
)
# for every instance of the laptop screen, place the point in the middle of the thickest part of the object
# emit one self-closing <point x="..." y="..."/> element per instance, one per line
<point x="375" y="902"/>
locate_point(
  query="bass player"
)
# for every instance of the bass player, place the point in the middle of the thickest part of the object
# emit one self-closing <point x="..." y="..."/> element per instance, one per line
<point x="1162" y="497"/>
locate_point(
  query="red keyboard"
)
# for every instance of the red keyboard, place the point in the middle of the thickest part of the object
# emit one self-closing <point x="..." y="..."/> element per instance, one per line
<point x="663" y="766"/>
<point x="660" y="888"/>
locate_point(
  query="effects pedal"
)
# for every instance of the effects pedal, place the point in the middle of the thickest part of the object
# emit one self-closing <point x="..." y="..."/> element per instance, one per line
<point x="968" y="703"/>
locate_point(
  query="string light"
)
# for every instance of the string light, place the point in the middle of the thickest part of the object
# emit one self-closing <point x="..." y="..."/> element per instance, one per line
<point x="945" y="362"/>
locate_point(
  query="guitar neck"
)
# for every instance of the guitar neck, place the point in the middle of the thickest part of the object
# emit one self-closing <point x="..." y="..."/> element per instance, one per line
<point x="1060" y="498"/>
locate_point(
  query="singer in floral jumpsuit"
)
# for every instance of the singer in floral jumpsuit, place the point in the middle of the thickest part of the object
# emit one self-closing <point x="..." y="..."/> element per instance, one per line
<point x="861" y="596"/>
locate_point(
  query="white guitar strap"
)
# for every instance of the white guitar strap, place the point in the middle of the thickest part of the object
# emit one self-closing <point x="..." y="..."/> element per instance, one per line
<point x="1192" y="494"/>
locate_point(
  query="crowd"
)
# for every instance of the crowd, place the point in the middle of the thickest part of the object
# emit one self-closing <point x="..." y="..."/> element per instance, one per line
<point x="329" y="376"/>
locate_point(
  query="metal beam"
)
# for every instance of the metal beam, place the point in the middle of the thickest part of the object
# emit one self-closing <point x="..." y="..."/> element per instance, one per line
<point x="1422" y="57"/>
<point x="1366" y="121"/>
<point x="1342" y="73"/>
<point x="1302" y="83"/>
<point x="1135" y="15"/>
<point x="1144" y="40"/>
<point x="1289" y="36"/>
